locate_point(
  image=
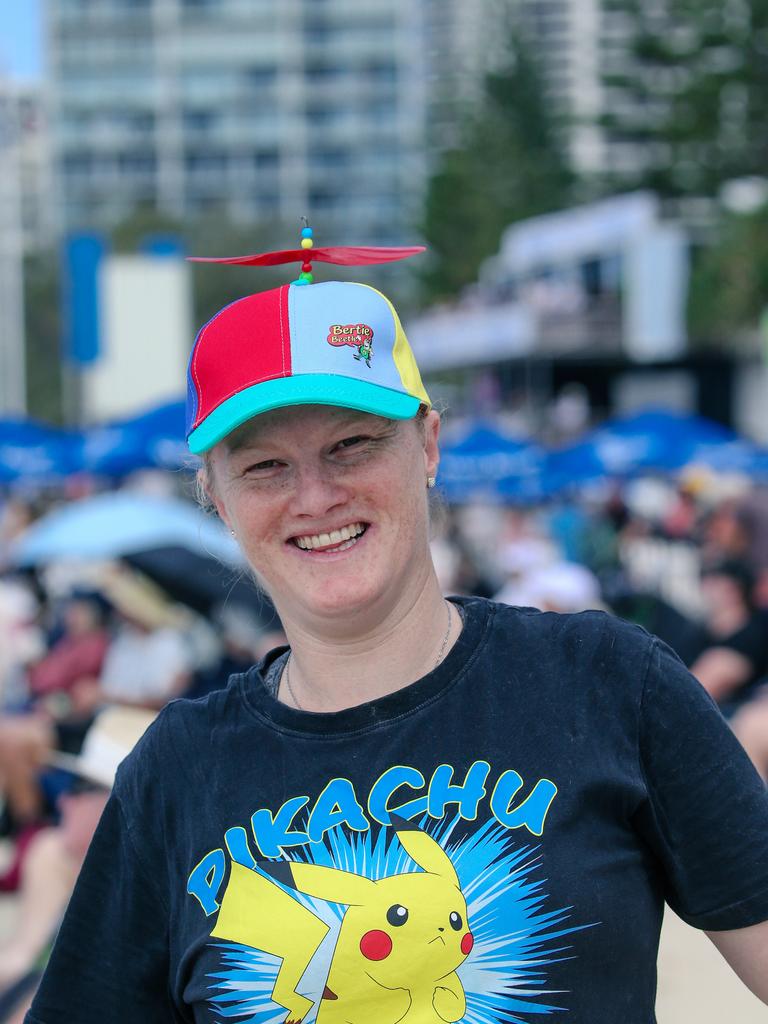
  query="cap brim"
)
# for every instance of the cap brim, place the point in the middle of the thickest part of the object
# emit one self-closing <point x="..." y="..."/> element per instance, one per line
<point x="302" y="389"/>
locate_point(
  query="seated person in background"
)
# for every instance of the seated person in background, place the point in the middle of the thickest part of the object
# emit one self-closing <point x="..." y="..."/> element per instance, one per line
<point x="56" y="854"/>
<point x="734" y="657"/>
<point x="21" y="638"/>
<point x="148" y="662"/>
<point x="77" y="654"/>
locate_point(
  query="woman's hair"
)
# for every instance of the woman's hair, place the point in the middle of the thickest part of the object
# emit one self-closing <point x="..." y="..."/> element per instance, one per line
<point x="204" y="484"/>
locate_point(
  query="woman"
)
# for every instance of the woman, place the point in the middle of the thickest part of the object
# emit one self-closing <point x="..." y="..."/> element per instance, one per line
<point x="422" y="810"/>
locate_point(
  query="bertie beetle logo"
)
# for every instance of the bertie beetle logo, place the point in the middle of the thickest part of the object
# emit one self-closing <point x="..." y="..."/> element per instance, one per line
<point x="359" y="336"/>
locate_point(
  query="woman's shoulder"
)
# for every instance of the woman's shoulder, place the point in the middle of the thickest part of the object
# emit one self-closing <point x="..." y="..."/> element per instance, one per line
<point x="181" y="733"/>
<point x="593" y="627"/>
<point x="582" y="652"/>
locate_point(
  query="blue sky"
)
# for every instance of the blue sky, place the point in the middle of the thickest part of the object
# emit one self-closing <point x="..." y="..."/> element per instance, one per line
<point x="21" y="38"/>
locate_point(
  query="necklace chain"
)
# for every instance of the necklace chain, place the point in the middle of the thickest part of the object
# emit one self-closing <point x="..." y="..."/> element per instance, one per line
<point x="440" y="656"/>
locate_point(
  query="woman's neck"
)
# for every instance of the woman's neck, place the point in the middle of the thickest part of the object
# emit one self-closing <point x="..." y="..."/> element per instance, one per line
<point x="330" y="673"/>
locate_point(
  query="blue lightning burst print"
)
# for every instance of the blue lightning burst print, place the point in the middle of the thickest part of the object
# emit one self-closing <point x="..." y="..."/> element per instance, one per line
<point x="516" y="938"/>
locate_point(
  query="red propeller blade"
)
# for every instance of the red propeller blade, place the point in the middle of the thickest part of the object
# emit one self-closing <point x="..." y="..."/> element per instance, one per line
<point x="342" y="255"/>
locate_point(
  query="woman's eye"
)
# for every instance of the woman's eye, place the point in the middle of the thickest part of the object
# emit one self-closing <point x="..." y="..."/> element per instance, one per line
<point x="350" y="442"/>
<point x="259" y="466"/>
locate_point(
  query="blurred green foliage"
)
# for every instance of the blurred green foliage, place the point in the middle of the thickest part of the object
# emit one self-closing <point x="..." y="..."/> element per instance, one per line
<point x="508" y="165"/>
<point x="42" y="314"/>
<point x="692" y="91"/>
<point x="729" y="286"/>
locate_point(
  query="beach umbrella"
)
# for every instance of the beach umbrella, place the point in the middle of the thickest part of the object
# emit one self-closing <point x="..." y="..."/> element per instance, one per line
<point x="121" y="523"/>
<point x="33" y="451"/>
<point x="155" y="439"/>
<point x="484" y="463"/>
<point x="650" y="441"/>
<point x="202" y="582"/>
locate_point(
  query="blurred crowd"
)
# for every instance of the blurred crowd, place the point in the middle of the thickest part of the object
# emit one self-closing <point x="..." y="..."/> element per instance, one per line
<point x="686" y="559"/>
<point x="78" y="641"/>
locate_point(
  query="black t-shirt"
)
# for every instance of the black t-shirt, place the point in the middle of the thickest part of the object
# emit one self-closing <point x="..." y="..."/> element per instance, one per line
<point x="491" y="843"/>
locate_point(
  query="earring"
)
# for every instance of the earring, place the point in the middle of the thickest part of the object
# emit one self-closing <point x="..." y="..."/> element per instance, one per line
<point x="431" y="481"/>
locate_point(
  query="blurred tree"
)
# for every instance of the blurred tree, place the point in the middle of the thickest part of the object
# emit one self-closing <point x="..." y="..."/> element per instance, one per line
<point x="507" y="166"/>
<point x="211" y="235"/>
<point x="688" y="96"/>
<point x="42" y="304"/>
<point x="729" y="286"/>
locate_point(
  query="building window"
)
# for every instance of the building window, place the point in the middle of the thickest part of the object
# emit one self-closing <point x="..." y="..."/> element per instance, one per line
<point x="264" y="159"/>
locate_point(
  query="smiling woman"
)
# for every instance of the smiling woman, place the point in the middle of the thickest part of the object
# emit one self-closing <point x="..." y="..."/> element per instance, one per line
<point x="420" y="810"/>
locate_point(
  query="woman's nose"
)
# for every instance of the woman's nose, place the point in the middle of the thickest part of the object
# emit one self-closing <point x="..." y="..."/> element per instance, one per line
<point x="317" y="492"/>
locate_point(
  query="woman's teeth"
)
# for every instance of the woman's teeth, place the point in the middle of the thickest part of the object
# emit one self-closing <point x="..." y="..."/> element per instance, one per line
<point x="340" y="540"/>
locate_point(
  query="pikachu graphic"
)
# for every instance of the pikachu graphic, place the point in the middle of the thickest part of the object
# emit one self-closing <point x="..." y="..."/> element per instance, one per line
<point x="400" y="942"/>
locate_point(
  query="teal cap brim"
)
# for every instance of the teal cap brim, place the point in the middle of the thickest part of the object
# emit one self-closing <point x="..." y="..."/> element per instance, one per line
<point x="302" y="389"/>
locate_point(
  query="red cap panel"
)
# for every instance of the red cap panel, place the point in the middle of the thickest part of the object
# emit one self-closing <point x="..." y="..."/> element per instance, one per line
<point x="246" y="343"/>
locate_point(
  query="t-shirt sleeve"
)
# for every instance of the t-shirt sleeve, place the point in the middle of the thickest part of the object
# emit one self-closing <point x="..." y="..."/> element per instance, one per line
<point x="110" y="960"/>
<point x="706" y="816"/>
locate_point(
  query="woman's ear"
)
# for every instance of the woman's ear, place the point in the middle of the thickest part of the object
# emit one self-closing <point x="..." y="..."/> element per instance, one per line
<point x="207" y="495"/>
<point x="431" y="446"/>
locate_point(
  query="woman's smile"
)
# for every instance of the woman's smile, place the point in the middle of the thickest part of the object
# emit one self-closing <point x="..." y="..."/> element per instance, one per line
<point x="331" y="541"/>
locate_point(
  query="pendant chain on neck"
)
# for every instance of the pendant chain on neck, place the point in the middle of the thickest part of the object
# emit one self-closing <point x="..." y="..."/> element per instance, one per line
<point x="440" y="656"/>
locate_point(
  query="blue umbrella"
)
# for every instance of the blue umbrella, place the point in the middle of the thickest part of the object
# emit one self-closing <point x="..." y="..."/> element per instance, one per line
<point x="654" y="440"/>
<point x="122" y="523"/>
<point x="486" y="464"/>
<point x="31" y="451"/>
<point x="153" y="439"/>
<point x="739" y="456"/>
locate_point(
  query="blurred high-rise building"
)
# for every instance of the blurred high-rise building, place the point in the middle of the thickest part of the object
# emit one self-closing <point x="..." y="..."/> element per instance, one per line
<point x="464" y="39"/>
<point x="581" y="45"/>
<point x="26" y="176"/>
<point x="571" y="39"/>
<point x="255" y="109"/>
<point x="24" y="225"/>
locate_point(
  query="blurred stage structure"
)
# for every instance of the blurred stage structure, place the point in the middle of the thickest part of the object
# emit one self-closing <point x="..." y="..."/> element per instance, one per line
<point x="595" y="296"/>
<point x="608" y="277"/>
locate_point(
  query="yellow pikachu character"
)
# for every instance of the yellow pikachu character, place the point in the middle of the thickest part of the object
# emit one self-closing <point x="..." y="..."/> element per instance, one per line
<point x="399" y="944"/>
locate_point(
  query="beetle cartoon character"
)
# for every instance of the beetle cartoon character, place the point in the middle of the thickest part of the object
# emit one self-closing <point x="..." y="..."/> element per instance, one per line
<point x="365" y="350"/>
<point x="400" y="941"/>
